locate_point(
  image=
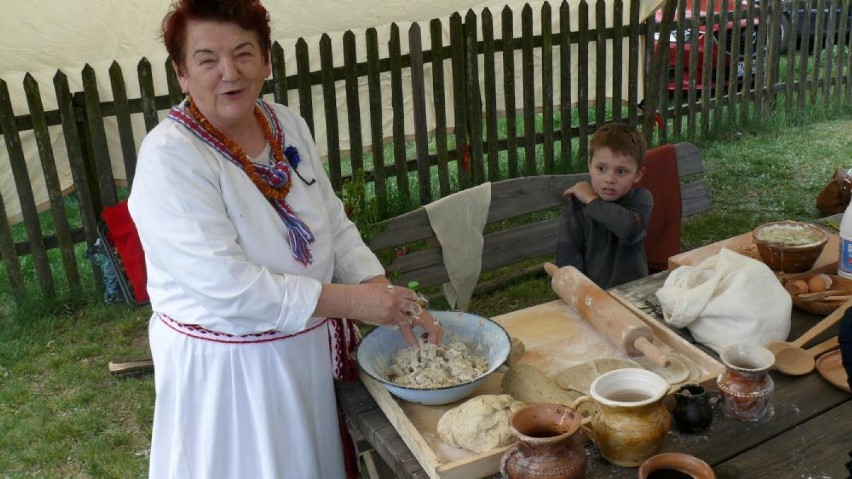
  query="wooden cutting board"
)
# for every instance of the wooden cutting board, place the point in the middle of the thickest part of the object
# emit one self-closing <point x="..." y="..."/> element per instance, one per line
<point x="743" y="244"/>
<point x="555" y="337"/>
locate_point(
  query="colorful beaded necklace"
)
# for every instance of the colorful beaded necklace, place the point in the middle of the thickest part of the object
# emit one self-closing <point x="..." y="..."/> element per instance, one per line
<point x="242" y="158"/>
<point x="274" y="181"/>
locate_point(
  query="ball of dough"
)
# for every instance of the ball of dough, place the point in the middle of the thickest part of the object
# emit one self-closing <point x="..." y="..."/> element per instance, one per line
<point x="479" y="424"/>
<point x="797" y="287"/>
<point x="819" y="282"/>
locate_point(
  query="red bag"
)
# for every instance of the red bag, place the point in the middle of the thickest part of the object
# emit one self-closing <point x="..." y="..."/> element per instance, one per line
<point x="122" y="235"/>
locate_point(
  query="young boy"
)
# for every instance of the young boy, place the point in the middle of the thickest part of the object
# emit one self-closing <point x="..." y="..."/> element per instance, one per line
<point x="602" y="229"/>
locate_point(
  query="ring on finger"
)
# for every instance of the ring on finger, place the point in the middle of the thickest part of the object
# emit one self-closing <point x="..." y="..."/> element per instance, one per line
<point x="390" y="288"/>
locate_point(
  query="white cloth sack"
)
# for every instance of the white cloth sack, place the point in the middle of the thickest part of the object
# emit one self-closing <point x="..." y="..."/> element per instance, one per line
<point x="457" y="221"/>
<point x="729" y="298"/>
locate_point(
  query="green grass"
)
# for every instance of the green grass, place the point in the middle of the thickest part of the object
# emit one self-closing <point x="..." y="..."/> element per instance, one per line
<point x="62" y="414"/>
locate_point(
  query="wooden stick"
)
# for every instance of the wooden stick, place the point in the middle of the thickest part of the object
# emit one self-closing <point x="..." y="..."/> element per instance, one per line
<point x="127" y="367"/>
<point x="837" y="298"/>
<point x="808" y="297"/>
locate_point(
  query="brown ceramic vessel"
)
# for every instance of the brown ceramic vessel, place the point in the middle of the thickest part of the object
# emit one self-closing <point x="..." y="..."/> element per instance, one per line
<point x="545" y="449"/>
<point x="677" y="462"/>
<point x="745" y="386"/>
<point x="788" y="257"/>
<point x="626" y="418"/>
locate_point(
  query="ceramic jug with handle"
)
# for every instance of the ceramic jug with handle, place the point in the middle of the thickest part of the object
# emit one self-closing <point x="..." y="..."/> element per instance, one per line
<point x="625" y="416"/>
<point x="545" y="448"/>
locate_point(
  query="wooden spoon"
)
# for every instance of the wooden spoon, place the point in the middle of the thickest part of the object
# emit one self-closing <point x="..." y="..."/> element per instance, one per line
<point x="815" y="331"/>
<point x="797" y="361"/>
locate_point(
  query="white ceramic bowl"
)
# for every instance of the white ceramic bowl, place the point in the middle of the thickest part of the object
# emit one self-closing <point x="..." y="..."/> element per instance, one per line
<point x="377" y="347"/>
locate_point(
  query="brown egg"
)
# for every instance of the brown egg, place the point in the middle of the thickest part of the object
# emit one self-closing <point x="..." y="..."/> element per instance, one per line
<point x="797" y="287"/>
<point x="819" y="282"/>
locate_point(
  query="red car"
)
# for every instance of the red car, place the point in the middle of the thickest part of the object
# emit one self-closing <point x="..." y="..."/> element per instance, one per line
<point x="679" y="78"/>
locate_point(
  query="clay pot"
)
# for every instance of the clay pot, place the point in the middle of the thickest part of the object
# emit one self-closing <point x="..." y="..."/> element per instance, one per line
<point x="790" y="257"/>
<point x="673" y="465"/>
<point x="693" y="411"/>
<point x="627" y="420"/>
<point x="745" y="386"/>
<point x="545" y="449"/>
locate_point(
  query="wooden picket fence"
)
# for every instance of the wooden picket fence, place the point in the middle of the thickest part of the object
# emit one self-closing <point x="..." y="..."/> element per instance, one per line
<point x="480" y="147"/>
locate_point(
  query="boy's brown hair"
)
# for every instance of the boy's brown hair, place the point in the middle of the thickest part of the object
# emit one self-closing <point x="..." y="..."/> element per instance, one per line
<point x="622" y="139"/>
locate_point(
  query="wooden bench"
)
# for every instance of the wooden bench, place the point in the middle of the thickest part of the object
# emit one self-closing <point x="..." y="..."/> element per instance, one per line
<point x="509" y="239"/>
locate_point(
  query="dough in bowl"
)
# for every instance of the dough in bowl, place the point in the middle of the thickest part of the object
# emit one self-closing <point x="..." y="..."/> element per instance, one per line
<point x="479" y="424"/>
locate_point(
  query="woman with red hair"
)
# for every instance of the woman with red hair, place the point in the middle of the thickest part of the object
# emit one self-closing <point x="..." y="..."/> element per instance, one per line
<point x="248" y="253"/>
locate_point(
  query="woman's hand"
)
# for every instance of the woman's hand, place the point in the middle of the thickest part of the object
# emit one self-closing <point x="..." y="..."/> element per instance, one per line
<point x="399" y="306"/>
<point x="378" y="302"/>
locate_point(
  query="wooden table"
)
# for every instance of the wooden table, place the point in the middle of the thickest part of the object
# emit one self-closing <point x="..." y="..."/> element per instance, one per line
<point x="808" y="435"/>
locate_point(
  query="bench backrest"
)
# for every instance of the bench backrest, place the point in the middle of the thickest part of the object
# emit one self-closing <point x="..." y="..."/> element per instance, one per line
<point x="510" y="200"/>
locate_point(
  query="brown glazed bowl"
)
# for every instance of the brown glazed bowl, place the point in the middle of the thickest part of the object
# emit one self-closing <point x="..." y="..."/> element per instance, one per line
<point x="789" y="246"/>
<point x="676" y="461"/>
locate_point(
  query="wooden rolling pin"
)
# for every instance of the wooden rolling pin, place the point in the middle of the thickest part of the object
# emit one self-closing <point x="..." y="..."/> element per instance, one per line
<point x="605" y="313"/>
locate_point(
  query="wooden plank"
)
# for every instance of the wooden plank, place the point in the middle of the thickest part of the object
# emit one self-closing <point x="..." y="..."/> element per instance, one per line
<point x="736" y="38"/>
<point x="528" y="77"/>
<point x="722" y="55"/>
<point x="398" y="107"/>
<point x="303" y="83"/>
<point x="633" y="64"/>
<point x="11" y="263"/>
<point x="789" y="79"/>
<point x="601" y="60"/>
<point x="418" y="94"/>
<point x="829" y="52"/>
<point x="71" y="133"/>
<point x="279" y="74"/>
<point x="97" y="135"/>
<point x="329" y="98"/>
<point x="565" y="76"/>
<point x="692" y="95"/>
<point x="26" y="197"/>
<point x="805" y="448"/>
<point x="473" y="98"/>
<point x="583" y="79"/>
<point x="353" y="103"/>
<point x="440" y="105"/>
<point x="490" y="82"/>
<point x="617" y="48"/>
<point x="841" y="48"/>
<point x="548" y="163"/>
<point x="706" y="80"/>
<point x="460" y="132"/>
<point x="147" y="96"/>
<point x="762" y="62"/>
<point x="374" y="88"/>
<point x="507" y="27"/>
<point x="677" y="77"/>
<point x="52" y="185"/>
<point x="122" y="118"/>
<point x="819" y="49"/>
<point x="748" y="53"/>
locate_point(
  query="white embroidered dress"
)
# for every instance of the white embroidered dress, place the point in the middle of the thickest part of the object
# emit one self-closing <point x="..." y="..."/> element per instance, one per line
<point x="243" y="403"/>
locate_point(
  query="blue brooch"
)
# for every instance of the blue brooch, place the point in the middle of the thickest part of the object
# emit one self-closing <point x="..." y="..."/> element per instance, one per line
<point x="292" y="155"/>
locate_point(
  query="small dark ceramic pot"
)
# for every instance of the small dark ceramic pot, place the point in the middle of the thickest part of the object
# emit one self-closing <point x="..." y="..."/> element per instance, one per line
<point x="693" y="411"/>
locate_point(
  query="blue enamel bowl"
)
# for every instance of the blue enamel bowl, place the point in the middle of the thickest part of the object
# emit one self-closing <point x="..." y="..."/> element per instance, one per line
<point x="483" y="336"/>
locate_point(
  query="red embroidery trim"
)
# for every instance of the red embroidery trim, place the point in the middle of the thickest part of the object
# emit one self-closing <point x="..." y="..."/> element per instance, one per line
<point x="199" y="332"/>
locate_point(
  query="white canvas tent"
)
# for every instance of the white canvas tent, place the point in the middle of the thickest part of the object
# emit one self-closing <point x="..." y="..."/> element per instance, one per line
<point x="40" y="37"/>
